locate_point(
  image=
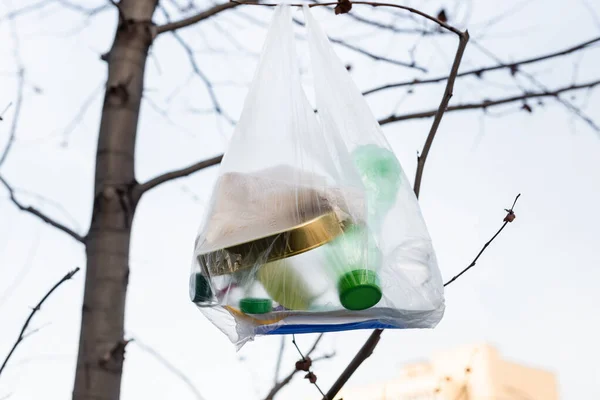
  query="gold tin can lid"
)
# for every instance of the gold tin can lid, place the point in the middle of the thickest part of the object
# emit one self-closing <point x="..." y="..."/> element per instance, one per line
<point x="290" y="242"/>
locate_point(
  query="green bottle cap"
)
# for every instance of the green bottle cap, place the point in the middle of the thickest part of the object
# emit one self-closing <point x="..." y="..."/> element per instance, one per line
<point x="253" y="305"/>
<point x="199" y="288"/>
<point x="359" y="289"/>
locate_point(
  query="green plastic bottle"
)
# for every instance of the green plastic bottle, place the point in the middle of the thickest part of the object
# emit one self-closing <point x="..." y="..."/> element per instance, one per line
<point x="354" y="257"/>
<point x="381" y="174"/>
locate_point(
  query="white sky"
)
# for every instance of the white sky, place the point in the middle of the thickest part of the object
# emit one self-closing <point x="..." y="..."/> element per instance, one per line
<point x="533" y="294"/>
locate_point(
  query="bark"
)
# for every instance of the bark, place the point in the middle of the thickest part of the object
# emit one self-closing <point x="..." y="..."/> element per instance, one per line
<point x="101" y="343"/>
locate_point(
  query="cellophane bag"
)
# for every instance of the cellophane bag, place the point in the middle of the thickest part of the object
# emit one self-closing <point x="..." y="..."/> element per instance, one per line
<point x="312" y="225"/>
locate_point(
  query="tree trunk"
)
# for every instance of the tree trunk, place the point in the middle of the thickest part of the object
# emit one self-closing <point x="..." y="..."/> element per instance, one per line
<point x="101" y="343"/>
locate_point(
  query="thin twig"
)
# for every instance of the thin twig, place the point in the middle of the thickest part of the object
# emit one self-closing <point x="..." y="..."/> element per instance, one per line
<point x="22" y="334"/>
<point x="169" y="366"/>
<point x="485" y="104"/>
<point x="506" y="221"/>
<point x="367" y="53"/>
<point x="568" y="105"/>
<point x="84" y="10"/>
<point x="79" y="116"/>
<point x="209" y="86"/>
<point x="342" y="43"/>
<point x="140" y="189"/>
<point x="20" y="88"/>
<point x="5" y="110"/>
<point x="392" y="27"/>
<point x="39" y="214"/>
<point x="480" y="71"/>
<point x="282" y="383"/>
<point x="197" y="71"/>
<point x="172" y="26"/>
<point x="369" y="3"/>
<point x="26" y="9"/>
<point x="304" y="358"/>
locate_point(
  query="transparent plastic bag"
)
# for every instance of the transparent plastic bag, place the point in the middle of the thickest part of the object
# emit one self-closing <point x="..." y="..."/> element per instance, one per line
<point x="312" y="225"/>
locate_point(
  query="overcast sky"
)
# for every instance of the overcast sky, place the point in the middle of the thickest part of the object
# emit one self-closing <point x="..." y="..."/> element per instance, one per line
<point x="534" y="293"/>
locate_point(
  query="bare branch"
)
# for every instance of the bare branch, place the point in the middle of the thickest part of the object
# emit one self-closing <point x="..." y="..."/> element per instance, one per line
<point x="209" y="86"/>
<point x="509" y="218"/>
<point x="365" y="352"/>
<point x="485" y="104"/>
<point x="171" y="26"/>
<point x="27" y="9"/>
<point x="406" y="64"/>
<point x="140" y="189"/>
<point x="85" y="10"/>
<point x="85" y="105"/>
<point x="480" y="71"/>
<point x="464" y="38"/>
<point x="40" y="215"/>
<point x="367" y="53"/>
<point x="196" y="69"/>
<point x="22" y="334"/>
<point x="393" y="28"/>
<point x="568" y="105"/>
<point x="373" y="4"/>
<point x="282" y="383"/>
<point x="177" y="372"/>
<point x="306" y="362"/>
<point x="20" y="87"/>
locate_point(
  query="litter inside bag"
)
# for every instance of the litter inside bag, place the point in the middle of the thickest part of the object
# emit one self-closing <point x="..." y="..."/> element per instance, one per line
<point x="313" y="225"/>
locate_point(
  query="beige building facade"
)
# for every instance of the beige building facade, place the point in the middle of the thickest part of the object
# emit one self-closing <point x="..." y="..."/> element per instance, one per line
<point x="476" y="372"/>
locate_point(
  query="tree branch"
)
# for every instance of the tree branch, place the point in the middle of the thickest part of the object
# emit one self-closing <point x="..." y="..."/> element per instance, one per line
<point x="480" y="71"/>
<point x="209" y="86"/>
<point x="491" y="103"/>
<point x="540" y="86"/>
<point x="367" y="53"/>
<point x="510" y="217"/>
<point x="40" y="215"/>
<point x="142" y="188"/>
<point x="195" y="18"/>
<point x="20" y="87"/>
<point x="392" y="27"/>
<point x="196" y="69"/>
<point x="462" y="44"/>
<point x="177" y="372"/>
<point x="281" y="384"/>
<point x="369" y="3"/>
<point x="26" y="9"/>
<point x="342" y="43"/>
<point x="22" y="335"/>
<point x="365" y="352"/>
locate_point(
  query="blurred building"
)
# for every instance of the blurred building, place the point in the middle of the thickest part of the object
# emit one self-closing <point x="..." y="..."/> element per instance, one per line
<point x="475" y="372"/>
